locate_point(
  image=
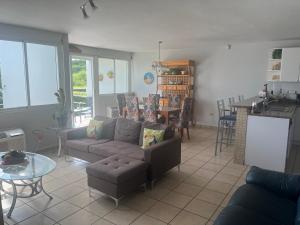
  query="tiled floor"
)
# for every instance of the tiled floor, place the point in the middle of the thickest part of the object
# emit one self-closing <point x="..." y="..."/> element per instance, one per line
<point x="193" y="196"/>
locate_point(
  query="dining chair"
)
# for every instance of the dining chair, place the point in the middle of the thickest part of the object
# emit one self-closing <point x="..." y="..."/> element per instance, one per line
<point x="185" y="117"/>
<point x="226" y="125"/>
<point x="241" y="98"/>
<point x="150" y="109"/>
<point x="231" y="101"/>
<point x="121" y="103"/>
<point x="174" y="101"/>
<point x="132" y="105"/>
<point x="156" y="98"/>
<point x="38" y="137"/>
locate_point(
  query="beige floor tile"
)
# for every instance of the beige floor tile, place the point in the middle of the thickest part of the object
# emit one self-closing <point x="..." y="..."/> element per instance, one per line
<point x="83" y="199"/>
<point x="176" y="199"/>
<point x="19" y="214"/>
<point x="102" y="222"/>
<point x="216" y="214"/>
<point x="206" y="173"/>
<point x="43" y="203"/>
<point x="163" y="212"/>
<point x="147" y="220"/>
<point x="68" y="192"/>
<point x="54" y="184"/>
<point x="157" y="192"/>
<point x="219" y="161"/>
<point x="201" y="208"/>
<point x="213" y="167"/>
<point x="61" y="211"/>
<point x="219" y="186"/>
<point x="226" y="178"/>
<point x="39" y="219"/>
<point x="138" y="202"/>
<point x="226" y="200"/>
<point x="195" y="162"/>
<point x="188" y="169"/>
<point x="187" y="218"/>
<point x="197" y="180"/>
<point x="211" y="196"/>
<point x="101" y="206"/>
<point x="188" y="189"/>
<point x="122" y="215"/>
<point x="79" y="218"/>
<point x="232" y="171"/>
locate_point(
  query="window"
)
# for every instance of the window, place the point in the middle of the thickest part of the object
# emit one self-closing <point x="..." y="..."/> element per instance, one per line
<point x="27" y="79"/>
<point x="113" y="76"/>
<point x="12" y="75"/>
<point x="42" y="73"/>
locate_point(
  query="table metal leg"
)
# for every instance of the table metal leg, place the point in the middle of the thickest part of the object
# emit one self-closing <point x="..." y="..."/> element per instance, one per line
<point x="44" y="190"/>
<point x="59" y="146"/>
<point x="14" y="200"/>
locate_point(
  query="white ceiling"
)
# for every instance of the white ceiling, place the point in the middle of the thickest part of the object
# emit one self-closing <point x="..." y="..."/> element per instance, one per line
<point x="137" y="25"/>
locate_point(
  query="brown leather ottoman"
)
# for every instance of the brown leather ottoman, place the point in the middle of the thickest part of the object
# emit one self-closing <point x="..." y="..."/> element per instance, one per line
<point x="117" y="175"/>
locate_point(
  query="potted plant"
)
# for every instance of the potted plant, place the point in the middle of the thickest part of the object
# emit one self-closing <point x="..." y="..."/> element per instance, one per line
<point x="62" y="113"/>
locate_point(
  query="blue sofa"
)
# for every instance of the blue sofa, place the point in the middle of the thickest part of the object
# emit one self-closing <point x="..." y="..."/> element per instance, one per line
<point x="267" y="198"/>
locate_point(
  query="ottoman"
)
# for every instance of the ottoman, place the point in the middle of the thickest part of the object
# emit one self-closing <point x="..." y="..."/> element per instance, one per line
<point x="117" y="175"/>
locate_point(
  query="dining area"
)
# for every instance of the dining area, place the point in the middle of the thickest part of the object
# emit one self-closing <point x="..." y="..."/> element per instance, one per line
<point x="174" y="110"/>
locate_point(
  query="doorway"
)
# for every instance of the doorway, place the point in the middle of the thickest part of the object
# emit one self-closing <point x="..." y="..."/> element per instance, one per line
<point x="82" y="90"/>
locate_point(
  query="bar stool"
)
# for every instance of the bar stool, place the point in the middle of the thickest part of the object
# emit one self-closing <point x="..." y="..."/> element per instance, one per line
<point x="226" y="123"/>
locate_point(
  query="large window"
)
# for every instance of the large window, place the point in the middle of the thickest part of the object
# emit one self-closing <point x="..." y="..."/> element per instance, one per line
<point x="28" y="74"/>
<point x="113" y="76"/>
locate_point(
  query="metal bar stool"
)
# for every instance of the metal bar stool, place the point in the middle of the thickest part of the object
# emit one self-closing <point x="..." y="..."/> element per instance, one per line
<point x="225" y="124"/>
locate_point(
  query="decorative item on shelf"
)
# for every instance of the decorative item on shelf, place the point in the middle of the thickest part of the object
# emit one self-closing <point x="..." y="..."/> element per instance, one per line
<point x="183" y="72"/>
<point x="13" y="157"/>
<point x="175" y="71"/>
<point x="100" y="77"/>
<point x="148" y="78"/>
<point x="62" y="112"/>
<point x="277" y="53"/>
<point x="110" y="74"/>
<point x="276" y="66"/>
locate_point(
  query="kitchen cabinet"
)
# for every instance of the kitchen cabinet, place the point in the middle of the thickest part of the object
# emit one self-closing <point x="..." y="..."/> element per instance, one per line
<point x="267" y="142"/>
<point x="290" y="64"/>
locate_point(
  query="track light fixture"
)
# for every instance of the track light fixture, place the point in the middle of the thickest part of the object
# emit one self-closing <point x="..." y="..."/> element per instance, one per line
<point x="84" y="5"/>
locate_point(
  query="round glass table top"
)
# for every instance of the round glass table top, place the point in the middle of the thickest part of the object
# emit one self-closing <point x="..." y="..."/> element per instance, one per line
<point x="35" y="166"/>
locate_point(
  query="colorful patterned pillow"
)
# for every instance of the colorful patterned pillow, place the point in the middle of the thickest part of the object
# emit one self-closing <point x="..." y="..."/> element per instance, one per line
<point x="94" y="129"/>
<point x="152" y="137"/>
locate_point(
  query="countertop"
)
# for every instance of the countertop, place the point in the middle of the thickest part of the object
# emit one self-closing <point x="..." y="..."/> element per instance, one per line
<point x="248" y="102"/>
<point x="274" y="109"/>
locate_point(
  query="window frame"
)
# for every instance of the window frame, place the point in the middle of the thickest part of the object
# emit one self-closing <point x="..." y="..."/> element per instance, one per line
<point x="114" y="69"/>
<point x="26" y="74"/>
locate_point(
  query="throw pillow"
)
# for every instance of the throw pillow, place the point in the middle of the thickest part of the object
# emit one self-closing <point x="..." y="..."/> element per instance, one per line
<point x="152" y="137"/>
<point x="94" y="129"/>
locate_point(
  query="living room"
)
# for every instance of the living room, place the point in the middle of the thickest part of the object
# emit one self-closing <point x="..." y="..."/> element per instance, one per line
<point x="150" y="112"/>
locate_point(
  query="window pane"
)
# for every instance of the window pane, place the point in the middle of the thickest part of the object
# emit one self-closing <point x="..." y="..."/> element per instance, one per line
<point x="106" y="76"/>
<point x="121" y="76"/>
<point x="12" y="75"/>
<point x="42" y="73"/>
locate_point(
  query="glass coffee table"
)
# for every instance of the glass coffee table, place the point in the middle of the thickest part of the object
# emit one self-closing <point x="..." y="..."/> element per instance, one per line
<point x="26" y="175"/>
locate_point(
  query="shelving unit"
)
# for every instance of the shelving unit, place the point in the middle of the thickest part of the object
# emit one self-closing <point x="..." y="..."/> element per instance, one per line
<point x="274" y="67"/>
<point x="178" y="84"/>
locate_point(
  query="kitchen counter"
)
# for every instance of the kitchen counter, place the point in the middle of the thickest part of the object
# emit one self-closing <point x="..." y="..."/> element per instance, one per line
<point x="248" y="102"/>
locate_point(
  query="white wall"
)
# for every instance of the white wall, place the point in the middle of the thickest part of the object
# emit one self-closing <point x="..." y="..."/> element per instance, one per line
<point x="220" y="73"/>
<point x="36" y="117"/>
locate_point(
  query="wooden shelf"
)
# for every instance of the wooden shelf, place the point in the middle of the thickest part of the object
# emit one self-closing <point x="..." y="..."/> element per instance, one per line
<point x="172" y="75"/>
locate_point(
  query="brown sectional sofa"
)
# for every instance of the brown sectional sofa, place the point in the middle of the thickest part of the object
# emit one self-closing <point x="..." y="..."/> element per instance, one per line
<point x="124" y="137"/>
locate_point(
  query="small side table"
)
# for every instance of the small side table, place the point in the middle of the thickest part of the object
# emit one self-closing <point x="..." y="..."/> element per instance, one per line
<point x="58" y="132"/>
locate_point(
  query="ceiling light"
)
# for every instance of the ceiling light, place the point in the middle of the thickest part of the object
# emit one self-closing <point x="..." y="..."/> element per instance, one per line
<point x="93" y="4"/>
<point x="83" y="9"/>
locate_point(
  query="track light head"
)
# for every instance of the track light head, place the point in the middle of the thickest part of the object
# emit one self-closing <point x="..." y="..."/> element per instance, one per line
<point x="93" y="4"/>
<point x="83" y="9"/>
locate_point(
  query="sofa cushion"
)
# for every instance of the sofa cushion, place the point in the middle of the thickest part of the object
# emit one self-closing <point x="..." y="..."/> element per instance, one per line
<point x="169" y="132"/>
<point x="109" y="126"/>
<point x="266" y="203"/>
<point x="117" y="169"/>
<point x="116" y="147"/>
<point x="237" y="215"/>
<point x="83" y="144"/>
<point x="127" y="131"/>
<point x="297" y="219"/>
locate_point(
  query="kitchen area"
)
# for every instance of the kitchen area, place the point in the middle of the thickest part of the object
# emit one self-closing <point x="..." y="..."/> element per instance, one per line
<point x="267" y="131"/>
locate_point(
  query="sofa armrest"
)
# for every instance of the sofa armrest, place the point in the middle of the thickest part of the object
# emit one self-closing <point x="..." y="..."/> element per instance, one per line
<point x="163" y="156"/>
<point x="285" y="185"/>
<point x="74" y="133"/>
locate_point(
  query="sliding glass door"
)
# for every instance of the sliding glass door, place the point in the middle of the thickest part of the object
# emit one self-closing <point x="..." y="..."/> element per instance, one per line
<point x="82" y="90"/>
